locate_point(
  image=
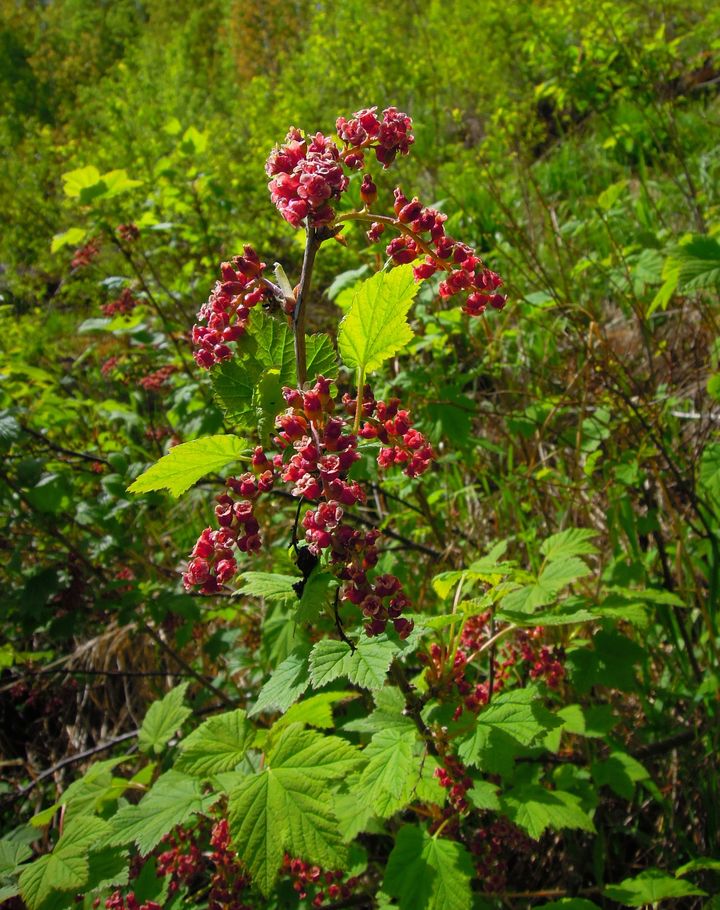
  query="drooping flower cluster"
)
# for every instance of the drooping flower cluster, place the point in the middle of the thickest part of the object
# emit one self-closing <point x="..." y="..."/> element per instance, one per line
<point x="316" y="447"/>
<point x="154" y="381"/>
<point x="305" y="176"/>
<point x="387" y="136"/>
<point x="184" y="863"/>
<point x="229" y="880"/>
<point x="227" y="310"/>
<point x="182" y="860"/>
<point x="308" y="879"/>
<point x="84" y="255"/>
<point x="523" y="649"/>
<point x="402" y="444"/>
<point x="426" y="234"/>
<point x="116" y="901"/>
<point x="122" y="306"/>
<point x="494" y="846"/>
<point x="545" y="662"/>
<point x="129" y="232"/>
<point x="453" y="777"/>
<point x="213" y="560"/>
<point x="324" y="450"/>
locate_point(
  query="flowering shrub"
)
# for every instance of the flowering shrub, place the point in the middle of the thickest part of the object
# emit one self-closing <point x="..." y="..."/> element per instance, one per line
<point x="386" y="752"/>
<point x="319" y="437"/>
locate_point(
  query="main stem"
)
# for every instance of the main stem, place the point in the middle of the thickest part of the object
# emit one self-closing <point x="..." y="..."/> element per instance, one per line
<point x="312" y="245"/>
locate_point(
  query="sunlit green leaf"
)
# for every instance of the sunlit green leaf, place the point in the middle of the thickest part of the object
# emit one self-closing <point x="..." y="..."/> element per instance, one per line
<point x="376" y="325"/>
<point x="185" y="464"/>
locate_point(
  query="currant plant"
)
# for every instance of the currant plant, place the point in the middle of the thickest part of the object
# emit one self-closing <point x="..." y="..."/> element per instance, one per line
<point x="384" y="755"/>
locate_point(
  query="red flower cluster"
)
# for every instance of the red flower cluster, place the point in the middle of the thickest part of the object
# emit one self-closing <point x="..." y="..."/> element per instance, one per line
<point x="324" y="452"/>
<point x="454" y="778"/>
<point x="325" y="449"/>
<point x="109" y="365"/>
<point x="494" y="846"/>
<point x="305" y="177"/>
<point x="403" y="445"/>
<point x="122" y="306"/>
<point x="387" y="136"/>
<point x="128" y="232"/>
<point x="546" y="663"/>
<point x="316" y="449"/>
<point x="84" y="255"/>
<point x="307" y="172"/>
<point x="228" y="880"/>
<point x="524" y="649"/>
<point x="466" y="271"/>
<point x="306" y="878"/>
<point x="116" y="901"/>
<point x="182" y="861"/>
<point x="153" y="382"/>
<point x="227" y="310"/>
<point x="212" y="559"/>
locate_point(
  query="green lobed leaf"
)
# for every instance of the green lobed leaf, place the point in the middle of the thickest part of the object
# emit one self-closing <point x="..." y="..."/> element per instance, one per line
<point x="317" y="757"/>
<point x="328" y="661"/>
<point x="286" y="685"/>
<point x="517" y="714"/>
<point x="321" y="359"/>
<point x="554" y="576"/>
<point x="186" y="463"/>
<point x="568" y="613"/>
<point x="109" y="867"/>
<point x="367" y="666"/>
<point x="87" y="183"/>
<point x="484" y="795"/>
<point x="269" y="342"/>
<point x="376" y="325"/>
<point x="611" y="662"/>
<point x="388" y="713"/>
<point x="428" y="873"/>
<point x="233" y="383"/>
<point x="217" y="745"/>
<point x="67" y="868"/>
<point x="268" y="585"/>
<point x="257" y="815"/>
<point x="12" y="853"/>
<point x="621" y="772"/>
<point x="163" y="720"/>
<point x="172" y="801"/>
<point x="370" y="662"/>
<point x="650" y="887"/>
<point x="315" y="711"/>
<point x="572" y="542"/>
<point x="534" y="808"/>
<point x="289" y="807"/>
<point x="86" y="795"/>
<point x="388" y="779"/>
<point x="71" y="237"/>
<point x="698" y="865"/>
<point x="79" y="179"/>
